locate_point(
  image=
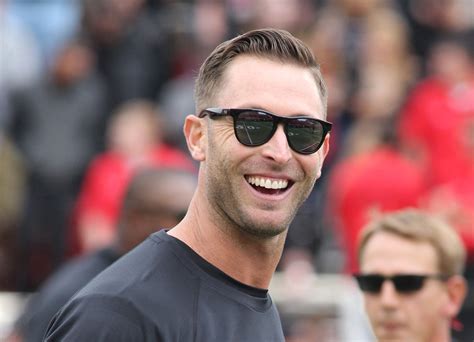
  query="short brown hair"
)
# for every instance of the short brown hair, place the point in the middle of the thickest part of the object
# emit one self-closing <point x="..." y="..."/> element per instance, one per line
<point x="416" y="225"/>
<point x="273" y="44"/>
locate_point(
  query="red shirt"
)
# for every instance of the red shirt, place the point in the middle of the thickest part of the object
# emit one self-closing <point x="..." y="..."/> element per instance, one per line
<point x="455" y="201"/>
<point x="108" y="175"/>
<point x="379" y="180"/>
<point x="439" y="121"/>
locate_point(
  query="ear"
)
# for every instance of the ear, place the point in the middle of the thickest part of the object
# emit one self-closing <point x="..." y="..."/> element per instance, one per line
<point x="456" y="293"/>
<point x="325" y="147"/>
<point x="195" y="133"/>
<point x="323" y="152"/>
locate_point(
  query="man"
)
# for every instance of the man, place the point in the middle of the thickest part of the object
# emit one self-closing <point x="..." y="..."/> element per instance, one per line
<point x="155" y="198"/>
<point x="207" y="278"/>
<point x="411" y="265"/>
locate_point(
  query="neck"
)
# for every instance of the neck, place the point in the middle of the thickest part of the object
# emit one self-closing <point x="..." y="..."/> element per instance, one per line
<point x="248" y="259"/>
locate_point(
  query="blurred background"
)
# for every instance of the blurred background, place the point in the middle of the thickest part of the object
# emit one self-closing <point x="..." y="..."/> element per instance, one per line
<point x="91" y="90"/>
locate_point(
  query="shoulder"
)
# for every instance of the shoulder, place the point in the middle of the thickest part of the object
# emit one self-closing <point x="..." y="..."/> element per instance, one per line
<point x="99" y="318"/>
<point x="148" y="292"/>
<point x="150" y="275"/>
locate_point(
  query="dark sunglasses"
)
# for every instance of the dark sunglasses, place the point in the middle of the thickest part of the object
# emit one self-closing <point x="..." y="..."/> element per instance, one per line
<point x="255" y="127"/>
<point x="404" y="283"/>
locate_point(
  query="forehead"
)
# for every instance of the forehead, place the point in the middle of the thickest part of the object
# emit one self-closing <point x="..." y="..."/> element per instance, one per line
<point x="284" y="88"/>
<point x="387" y="253"/>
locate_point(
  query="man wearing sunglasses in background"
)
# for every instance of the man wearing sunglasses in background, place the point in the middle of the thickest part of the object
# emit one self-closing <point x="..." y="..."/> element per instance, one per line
<point x="261" y="139"/>
<point x="410" y="274"/>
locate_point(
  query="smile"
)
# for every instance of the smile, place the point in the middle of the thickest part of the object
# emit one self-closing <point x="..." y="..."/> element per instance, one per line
<point x="267" y="183"/>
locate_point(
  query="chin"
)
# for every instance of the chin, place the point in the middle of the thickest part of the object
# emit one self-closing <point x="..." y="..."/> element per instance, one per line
<point x="264" y="231"/>
<point x="262" y="223"/>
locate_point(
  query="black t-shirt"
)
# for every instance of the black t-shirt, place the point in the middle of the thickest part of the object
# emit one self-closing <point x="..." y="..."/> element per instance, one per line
<point x="58" y="289"/>
<point x="164" y="291"/>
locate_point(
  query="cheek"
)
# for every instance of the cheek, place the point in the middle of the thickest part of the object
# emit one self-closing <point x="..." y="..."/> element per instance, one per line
<point x="371" y="305"/>
<point x="434" y="301"/>
<point x="427" y="307"/>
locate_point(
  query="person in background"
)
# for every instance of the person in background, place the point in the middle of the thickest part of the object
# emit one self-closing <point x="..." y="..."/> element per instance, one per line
<point x="374" y="176"/>
<point x="56" y="125"/>
<point x="261" y="143"/>
<point x="411" y="266"/>
<point x="134" y="141"/>
<point x="155" y="199"/>
<point x="444" y="149"/>
<point x="132" y="44"/>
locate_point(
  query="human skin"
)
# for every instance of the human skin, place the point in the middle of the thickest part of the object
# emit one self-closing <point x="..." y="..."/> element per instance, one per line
<point x="424" y="315"/>
<point x="232" y="224"/>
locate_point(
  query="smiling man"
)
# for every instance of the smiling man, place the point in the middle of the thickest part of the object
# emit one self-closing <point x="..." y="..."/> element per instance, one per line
<point x="261" y="139"/>
<point x="410" y="273"/>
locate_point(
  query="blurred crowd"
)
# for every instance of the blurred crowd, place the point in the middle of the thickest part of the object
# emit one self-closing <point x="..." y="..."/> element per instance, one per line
<point x="92" y="90"/>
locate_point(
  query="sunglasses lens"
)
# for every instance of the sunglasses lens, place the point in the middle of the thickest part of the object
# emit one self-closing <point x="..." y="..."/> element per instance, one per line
<point x="254" y="128"/>
<point x="305" y="135"/>
<point x="370" y="283"/>
<point x="403" y="283"/>
<point x="408" y="283"/>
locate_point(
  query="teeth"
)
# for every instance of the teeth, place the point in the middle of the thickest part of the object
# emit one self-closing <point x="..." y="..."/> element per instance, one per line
<point x="268" y="183"/>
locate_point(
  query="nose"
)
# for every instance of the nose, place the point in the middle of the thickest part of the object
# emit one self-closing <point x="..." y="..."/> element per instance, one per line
<point x="277" y="147"/>
<point x="388" y="295"/>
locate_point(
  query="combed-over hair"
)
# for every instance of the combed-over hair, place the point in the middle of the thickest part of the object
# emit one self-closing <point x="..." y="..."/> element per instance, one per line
<point x="274" y="44"/>
<point x="419" y="226"/>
